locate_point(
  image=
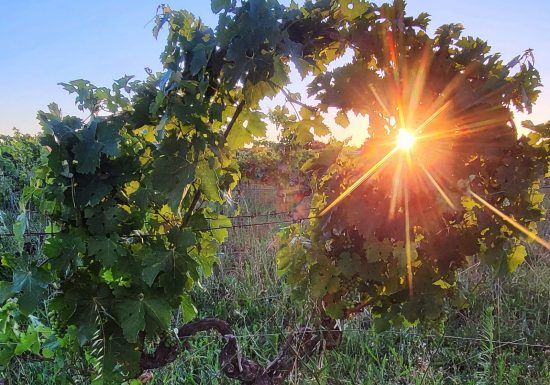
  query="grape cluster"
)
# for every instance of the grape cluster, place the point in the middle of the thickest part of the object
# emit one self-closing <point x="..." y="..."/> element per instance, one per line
<point x="348" y="285"/>
<point x="55" y="322"/>
<point x="348" y="288"/>
<point x="169" y="338"/>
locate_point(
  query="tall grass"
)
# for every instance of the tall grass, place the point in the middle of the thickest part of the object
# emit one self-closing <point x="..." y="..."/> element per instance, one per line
<point x="247" y="292"/>
<point x="475" y="349"/>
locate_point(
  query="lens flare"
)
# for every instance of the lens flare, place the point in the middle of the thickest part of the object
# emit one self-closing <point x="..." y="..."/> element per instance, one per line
<point x="358" y="182"/>
<point x="512" y="222"/>
<point x="405" y="139"/>
<point x="408" y="251"/>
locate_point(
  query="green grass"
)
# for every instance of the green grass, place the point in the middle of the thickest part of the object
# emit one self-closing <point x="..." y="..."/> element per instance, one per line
<point x="246" y="292"/>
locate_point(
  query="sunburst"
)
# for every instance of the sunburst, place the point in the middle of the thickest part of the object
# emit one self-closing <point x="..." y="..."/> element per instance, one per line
<point x="436" y="133"/>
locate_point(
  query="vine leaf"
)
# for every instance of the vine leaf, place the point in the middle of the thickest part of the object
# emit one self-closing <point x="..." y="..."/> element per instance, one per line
<point x="209" y="181"/>
<point x="173" y="176"/>
<point x="154" y="263"/>
<point x="106" y="249"/>
<point x="20" y="226"/>
<point x="133" y="313"/>
<point x="342" y="119"/>
<point x="516" y="257"/>
<point x="219" y="5"/>
<point x="188" y="309"/>
<point x="109" y="137"/>
<point x="248" y="126"/>
<point x="29" y="341"/>
<point x="5" y="291"/>
<point x="31" y="285"/>
<point x="64" y="251"/>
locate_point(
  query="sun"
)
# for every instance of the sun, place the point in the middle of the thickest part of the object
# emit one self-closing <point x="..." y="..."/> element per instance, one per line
<point x="405" y="139"/>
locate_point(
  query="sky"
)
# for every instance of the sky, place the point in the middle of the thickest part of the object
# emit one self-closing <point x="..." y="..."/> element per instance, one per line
<point x="44" y="42"/>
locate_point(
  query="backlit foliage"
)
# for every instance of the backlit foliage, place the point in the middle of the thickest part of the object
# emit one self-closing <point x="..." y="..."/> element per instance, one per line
<point x="136" y="190"/>
<point x="396" y="242"/>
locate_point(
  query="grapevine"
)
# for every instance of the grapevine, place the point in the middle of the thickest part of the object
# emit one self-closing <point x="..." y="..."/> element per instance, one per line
<point x="137" y="190"/>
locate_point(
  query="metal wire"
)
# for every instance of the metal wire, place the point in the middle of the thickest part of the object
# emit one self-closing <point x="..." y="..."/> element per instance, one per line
<point x="233" y="226"/>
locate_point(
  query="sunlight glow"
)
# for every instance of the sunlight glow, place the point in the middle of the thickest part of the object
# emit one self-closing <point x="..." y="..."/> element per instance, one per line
<point x="512" y="222"/>
<point x="437" y="186"/>
<point x="405" y="139"/>
<point x="408" y="251"/>
<point x="358" y="182"/>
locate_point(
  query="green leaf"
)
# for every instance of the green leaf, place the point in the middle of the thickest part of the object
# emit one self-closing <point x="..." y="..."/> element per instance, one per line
<point x="131" y="315"/>
<point x="342" y="119"/>
<point x="255" y="92"/>
<point x="119" y="354"/>
<point x="29" y="341"/>
<point x="5" y="291"/>
<point x="107" y="250"/>
<point x="199" y="59"/>
<point x="104" y="219"/>
<point x="188" y="309"/>
<point x="48" y="353"/>
<point x="20" y="226"/>
<point x="516" y="256"/>
<point x="249" y="125"/>
<point x="31" y="285"/>
<point x="88" y="155"/>
<point x="381" y="324"/>
<point x="65" y="251"/>
<point x="218" y="5"/>
<point x="443" y="284"/>
<point x="323" y="281"/>
<point x="91" y="190"/>
<point x="173" y="177"/>
<point x="154" y="263"/>
<point x="378" y="251"/>
<point x="7" y="352"/>
<point x="182" y="239"/>
<point x="108" y="135"/>
<point x="352" y="9"/>
<point x="209" y="181"/>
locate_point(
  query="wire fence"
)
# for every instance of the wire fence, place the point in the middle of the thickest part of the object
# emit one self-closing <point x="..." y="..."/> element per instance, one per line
<point x="203" y="229"/>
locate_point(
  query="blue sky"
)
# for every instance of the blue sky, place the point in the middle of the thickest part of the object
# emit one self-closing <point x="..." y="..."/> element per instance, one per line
<point x="43" y="42"/>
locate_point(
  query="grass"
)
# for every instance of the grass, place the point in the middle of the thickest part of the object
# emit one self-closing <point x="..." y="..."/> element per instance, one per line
<point x="246" y="291"/>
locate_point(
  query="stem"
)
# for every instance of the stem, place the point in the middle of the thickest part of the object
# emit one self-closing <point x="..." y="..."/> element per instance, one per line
<point x="197" y="195"/>
<point x="238" y="111"/>
<point x="293" y="100"/>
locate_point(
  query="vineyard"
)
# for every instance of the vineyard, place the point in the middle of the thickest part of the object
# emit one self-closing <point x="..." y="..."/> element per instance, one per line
<point x="162" y="238"/>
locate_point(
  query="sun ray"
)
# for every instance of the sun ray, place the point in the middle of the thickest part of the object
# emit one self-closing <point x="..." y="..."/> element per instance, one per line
<point x="437" y="186"/>
<point x="396" y="187"/>
<point x="419" y="83"/>
<point x="379" y="100"/>
<point x="460" y="131"/>
<point x="408" y="251"/>
<point x="433" y="116"/>
<point x="358" y="182"/>
<point x="392" y="50"/>
<point x="512" y="222"/>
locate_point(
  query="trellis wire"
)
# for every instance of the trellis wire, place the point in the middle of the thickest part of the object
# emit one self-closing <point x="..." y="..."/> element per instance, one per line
<point x="233" y="226"/>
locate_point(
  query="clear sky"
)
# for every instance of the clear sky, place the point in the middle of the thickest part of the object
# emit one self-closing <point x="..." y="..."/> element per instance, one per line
<point x="43" y="42"/>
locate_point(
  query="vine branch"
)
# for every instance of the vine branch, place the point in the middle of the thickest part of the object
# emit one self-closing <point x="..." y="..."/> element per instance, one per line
<point x="197" y="195"/>
<point x="298" y="345"/>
